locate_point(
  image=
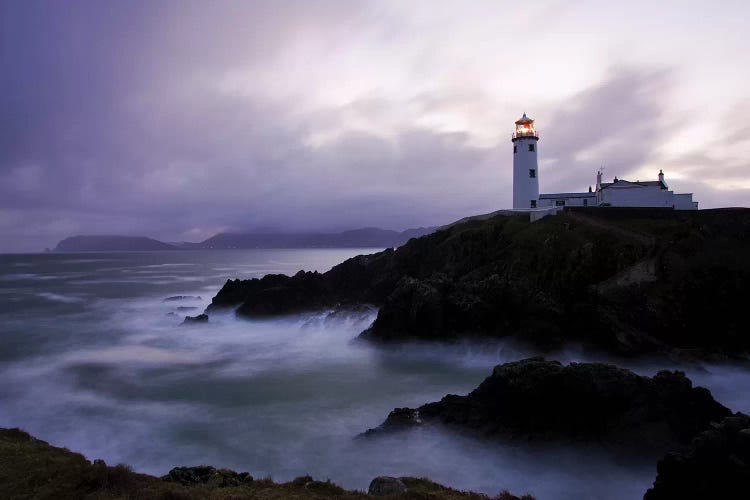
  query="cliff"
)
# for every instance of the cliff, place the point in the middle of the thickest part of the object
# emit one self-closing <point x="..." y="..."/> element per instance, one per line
<point x="627" y="280"/>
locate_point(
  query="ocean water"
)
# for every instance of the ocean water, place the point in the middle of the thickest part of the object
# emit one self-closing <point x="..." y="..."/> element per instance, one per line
<point x="92" y="358"/>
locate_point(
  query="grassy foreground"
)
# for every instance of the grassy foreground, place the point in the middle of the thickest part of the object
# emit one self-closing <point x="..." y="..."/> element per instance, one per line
<point x="32" y="469"/>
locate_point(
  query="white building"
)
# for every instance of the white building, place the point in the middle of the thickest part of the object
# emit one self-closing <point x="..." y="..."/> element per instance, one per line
<point x="618" y="193"/>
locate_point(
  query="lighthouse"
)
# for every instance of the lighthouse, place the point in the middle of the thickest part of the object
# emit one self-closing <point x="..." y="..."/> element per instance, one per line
<point x="525" y="169"/>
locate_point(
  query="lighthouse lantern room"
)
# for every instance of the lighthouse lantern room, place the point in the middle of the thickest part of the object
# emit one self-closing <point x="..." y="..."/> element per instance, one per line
<point x="525" y="168"/>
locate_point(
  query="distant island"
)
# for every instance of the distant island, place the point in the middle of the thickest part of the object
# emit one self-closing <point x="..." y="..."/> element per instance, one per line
<point x="369" y="237"/>
<point x="111" y="243"/>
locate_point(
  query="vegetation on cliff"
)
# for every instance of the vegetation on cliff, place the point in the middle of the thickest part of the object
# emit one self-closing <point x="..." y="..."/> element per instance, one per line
<point x="32" y="469"/>
<point x="627" y="280"/>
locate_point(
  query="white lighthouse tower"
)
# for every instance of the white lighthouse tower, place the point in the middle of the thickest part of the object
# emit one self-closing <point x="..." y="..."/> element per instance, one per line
<point x="525" y="169"/>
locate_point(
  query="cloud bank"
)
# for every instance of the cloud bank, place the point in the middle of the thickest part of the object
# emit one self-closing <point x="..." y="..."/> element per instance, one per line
<point x="180" y="120"/>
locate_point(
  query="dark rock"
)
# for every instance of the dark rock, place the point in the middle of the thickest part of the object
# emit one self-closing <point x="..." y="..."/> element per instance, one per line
<point x="352" y="283"/>
<point x="384" y="485"/>
<point x="177" y="298"/>
<point x="305" y="291"/>
<point x="397" y="420"/>
<point x="717" y="465"/>
<point x="187" y="308"/>
<point x="588" y="402"/>
<point x="201" y="318"/>
<point x="351" y="312"/>
<point x="206" y="474"/>
<point x="302" y="480"/>
<point x="319" y="489"/>
<point x="415" y="309"/>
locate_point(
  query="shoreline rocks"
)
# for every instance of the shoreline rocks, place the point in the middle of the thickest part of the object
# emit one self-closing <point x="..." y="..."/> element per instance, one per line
<point x="717" y="465"/>
<point x="385" y="485"/>
<point x="580" y="402"/>
<point x="179" y="298"/>
<point x="192" y="320"/>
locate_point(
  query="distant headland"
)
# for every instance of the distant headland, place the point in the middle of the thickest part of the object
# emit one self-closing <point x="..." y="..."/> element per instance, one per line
<point x="369" y="237"/>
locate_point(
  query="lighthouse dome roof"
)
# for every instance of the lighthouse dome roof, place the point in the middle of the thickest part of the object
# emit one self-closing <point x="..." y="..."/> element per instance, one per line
<point x="524" y="119"/>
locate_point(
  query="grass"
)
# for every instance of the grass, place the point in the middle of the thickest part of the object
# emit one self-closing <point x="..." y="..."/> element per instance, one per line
<point x="32" y="469"/>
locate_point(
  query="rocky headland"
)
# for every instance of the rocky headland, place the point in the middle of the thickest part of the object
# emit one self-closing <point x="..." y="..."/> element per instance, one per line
<point x="629" y="281"/>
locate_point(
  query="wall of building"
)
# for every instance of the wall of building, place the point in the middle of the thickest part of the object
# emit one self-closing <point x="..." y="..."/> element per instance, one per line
<point x="590" y="201"/>
<point x="647" y="196"/>
<point x="685" y="202"/>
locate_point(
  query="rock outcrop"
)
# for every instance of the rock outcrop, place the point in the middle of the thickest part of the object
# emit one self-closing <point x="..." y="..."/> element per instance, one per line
<point x="179" y="298"/>
<point x="716" y="466"/>
<point x="629" y="281"/>
<point x="206" y="474"/>
<point x="192" y="320"/>
<point x="581" y="402"/>
<point x="385" y="485"/>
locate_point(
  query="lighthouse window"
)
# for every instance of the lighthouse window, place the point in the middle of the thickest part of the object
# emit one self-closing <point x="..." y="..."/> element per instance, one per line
<point x="531" y="147"/>
<point x="532" y="172"/>
<point x="533" y="203"/>
<point x="560" y="203"/>
<point x="515" y="149"/>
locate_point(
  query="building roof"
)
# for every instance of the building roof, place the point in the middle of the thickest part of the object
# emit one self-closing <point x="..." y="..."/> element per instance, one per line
<point x="630" y="184"/>
<point x="552" y="196"/>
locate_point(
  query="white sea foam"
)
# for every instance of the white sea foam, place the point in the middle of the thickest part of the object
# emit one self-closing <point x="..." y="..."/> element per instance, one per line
<point x="87" y="261"/>
<point x="56" y="297"/>
<point x="131" y="354"/>
<point x="171" y="264"/>
<point x="19" y="276"/>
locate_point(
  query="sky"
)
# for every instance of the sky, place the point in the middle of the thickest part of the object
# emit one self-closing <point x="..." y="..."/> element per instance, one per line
<point x="181" y="119"/>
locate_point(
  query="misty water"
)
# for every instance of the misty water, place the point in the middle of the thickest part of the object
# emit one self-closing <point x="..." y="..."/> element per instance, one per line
<point x="92" y="358"/>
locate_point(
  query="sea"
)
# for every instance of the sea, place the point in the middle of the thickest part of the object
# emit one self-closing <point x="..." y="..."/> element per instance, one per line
<point x="94" y="358"/>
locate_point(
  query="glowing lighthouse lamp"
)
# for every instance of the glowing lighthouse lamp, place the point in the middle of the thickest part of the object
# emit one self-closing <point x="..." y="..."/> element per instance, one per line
<point x="525" y="168"/>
